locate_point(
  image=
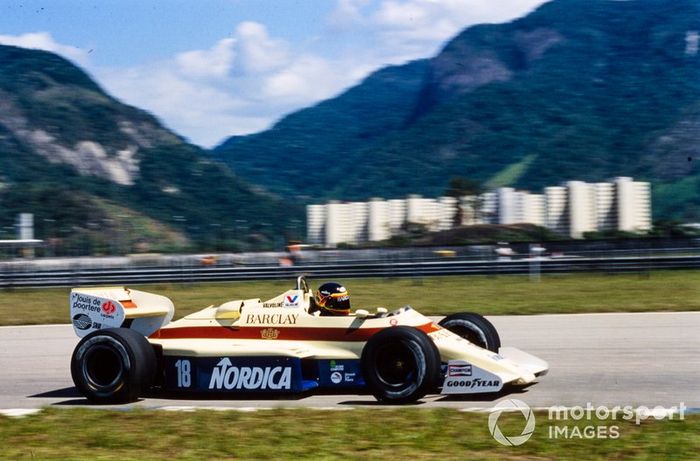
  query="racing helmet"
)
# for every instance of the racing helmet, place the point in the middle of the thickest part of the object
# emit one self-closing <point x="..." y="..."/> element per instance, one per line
<point x="333" y="299"/>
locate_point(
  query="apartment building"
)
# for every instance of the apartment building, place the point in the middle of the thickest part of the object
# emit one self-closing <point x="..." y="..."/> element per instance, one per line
<point x="572" y="209"/>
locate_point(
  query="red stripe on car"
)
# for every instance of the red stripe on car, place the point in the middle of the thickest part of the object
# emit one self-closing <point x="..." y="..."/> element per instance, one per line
<point x="283" y="333"/>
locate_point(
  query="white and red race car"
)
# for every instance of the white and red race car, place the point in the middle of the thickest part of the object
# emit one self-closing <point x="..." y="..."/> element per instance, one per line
<point x="131" y="346"/>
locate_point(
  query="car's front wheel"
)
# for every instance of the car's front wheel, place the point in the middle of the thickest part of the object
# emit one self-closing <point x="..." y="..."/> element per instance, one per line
<point x="474" y="328"/>
<point x="114" y="365"/>
<point x="400" y="365"/>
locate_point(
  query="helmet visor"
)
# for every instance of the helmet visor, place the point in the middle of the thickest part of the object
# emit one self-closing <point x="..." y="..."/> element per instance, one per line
<point x="334" y="302"/>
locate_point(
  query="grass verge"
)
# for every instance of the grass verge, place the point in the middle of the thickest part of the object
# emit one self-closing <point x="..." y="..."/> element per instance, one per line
<point x="489" y="295"/>
<point x="378" y="433"/>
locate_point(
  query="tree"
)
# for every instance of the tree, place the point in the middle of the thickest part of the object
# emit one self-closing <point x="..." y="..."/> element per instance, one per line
<point x="460" y="187"/>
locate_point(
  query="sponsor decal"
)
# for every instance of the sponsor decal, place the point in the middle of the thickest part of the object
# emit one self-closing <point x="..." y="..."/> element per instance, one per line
<point x="443" y="333"/>
<point x="82" y="321"/>
<point x="459" y="369"/>
<point x="465" y="378"/>
<point x="474" y="383"/>
<point x="108" y="308"/>
<point x="281" y="304"/>
<point x="341" y="373"/>
<point x="85" y="303"/>
<point x="272" y="319"/>
<point x="269" y="333"/>
<point x="393" y="322"/>
<point x="226" y="376"/>
<point x="89" y="313"/>
<point x="291" y="301"/>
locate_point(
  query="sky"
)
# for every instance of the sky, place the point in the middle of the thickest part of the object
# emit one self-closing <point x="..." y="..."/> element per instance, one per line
<point x="210" y="69"/>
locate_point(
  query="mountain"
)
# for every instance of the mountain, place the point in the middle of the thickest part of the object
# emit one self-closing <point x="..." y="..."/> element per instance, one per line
<point x="104" y="176"/>
<point x="303" y="153"/>
<point x="577" y="89"/>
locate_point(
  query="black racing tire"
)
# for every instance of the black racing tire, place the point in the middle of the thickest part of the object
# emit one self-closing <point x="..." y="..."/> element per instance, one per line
<point x="400" y="365"/>
<point x="474" y="328"/>
<point x="115" y="365"/>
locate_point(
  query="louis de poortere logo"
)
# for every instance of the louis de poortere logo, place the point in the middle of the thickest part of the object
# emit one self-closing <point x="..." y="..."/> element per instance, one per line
<point x="108" y="308"/>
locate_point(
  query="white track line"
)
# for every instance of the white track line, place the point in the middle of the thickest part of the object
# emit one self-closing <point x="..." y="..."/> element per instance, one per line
<point x="19" y="412"/>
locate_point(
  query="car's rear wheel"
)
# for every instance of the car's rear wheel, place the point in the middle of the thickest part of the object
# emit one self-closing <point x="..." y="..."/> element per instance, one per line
<point x="115" y="365"/>
<point x="400" y="365"/>
<point x="474" y="328"/>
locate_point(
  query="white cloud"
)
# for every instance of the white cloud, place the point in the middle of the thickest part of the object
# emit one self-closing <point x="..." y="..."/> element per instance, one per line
<point x="197" y="93"/>
<point x="412" y="29"/>
<point x="214" y="62"/>
<point x="308" y="78"/>
<point x="244" y="83"/>
<point x="202" y="110"/>
<point x="44" y="41"/>
<point x="238" y="86"/>
<point x="260" y="53"/>
<point x="348" y="13"/>
<point x="449" y="15"/>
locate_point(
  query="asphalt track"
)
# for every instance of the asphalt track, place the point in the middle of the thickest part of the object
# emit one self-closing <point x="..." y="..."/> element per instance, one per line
<point x="648" y="359"/>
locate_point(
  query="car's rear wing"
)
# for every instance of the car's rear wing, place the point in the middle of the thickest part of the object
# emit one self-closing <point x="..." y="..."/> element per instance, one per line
<point x="112" y="307"/>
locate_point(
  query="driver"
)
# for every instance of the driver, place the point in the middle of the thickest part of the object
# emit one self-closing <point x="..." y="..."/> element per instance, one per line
<point x="331" y="298"/>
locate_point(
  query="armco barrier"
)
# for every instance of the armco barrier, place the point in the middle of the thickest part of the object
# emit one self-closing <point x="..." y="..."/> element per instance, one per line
<point x="131" y="276"/>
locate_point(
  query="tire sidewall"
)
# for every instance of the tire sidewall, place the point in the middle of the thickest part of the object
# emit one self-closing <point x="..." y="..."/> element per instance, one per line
<point x="477" y="325"/>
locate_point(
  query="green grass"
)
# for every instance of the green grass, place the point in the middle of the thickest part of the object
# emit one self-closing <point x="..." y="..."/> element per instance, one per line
<point x="490" y="295"/>
<point x="377" y="433"/>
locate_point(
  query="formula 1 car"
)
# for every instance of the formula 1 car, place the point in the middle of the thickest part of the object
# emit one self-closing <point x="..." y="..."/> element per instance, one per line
<point x="131" y="346"/>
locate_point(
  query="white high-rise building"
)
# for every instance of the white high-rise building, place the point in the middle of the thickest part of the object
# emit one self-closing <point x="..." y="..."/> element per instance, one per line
<point x="315" y="223"/>
<point x="556" y="209"/>
<point x="345" y="223"/>
<point x="378" y="221"/>
<point x="397" y="216"/>
<point x="533" y="209"/>
<point x="507" y="209"/>
<point x="581" y="208"/>
<point x="447" y="212"/>
<point x="515" y="207"/>
<point x="633" y="205"/>
<point x="488" y="213"/>
<point x="573" y="209"/>
<point x="605" y="206"/>
<point x="334" y="224"/>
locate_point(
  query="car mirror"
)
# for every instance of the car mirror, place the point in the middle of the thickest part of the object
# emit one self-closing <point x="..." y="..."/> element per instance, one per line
<point x="382" y="310"/>
<point x="361" y="313"/>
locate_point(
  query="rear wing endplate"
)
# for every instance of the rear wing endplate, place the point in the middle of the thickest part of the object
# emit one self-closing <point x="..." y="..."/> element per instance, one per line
<point x="113" y="307"/>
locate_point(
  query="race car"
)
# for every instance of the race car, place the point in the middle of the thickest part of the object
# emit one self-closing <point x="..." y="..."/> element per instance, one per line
<point x="130" y="346"/>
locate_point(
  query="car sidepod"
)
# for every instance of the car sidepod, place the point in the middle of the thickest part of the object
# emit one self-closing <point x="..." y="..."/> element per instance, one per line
<point x="237" y="375"/>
